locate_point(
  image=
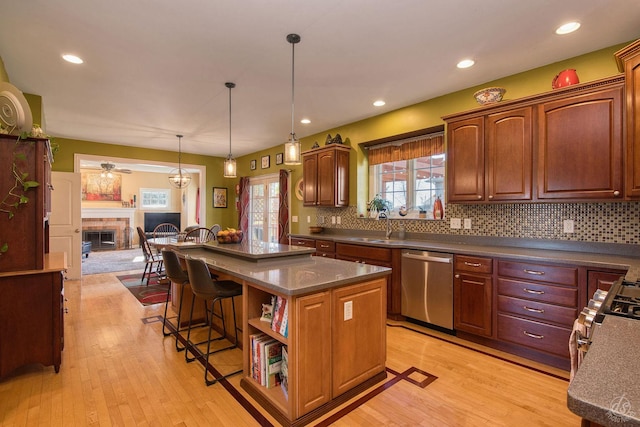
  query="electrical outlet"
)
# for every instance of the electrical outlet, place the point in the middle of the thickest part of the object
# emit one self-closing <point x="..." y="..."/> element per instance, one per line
<point x="308" y="219"/>
<point x="567" y="226"/>
<point x="294" y="218"/>
<point x="456" y="223"/>
<point x="339" y="220"/>
<point x="467" y="223"/>
<point x="333" y="220"/>
<point x="348" y="310"/>
<point x="321" y="219"/>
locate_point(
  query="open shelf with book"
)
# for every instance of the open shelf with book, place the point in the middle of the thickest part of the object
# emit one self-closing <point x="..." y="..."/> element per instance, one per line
<point x="315" y="340"/>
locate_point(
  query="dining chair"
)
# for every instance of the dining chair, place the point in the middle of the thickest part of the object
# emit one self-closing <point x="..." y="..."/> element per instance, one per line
<point x="180" y="277"/>
<point x="166" y="229"/>
<point x="215" y="228"/>
<point x="200" y="235"/>
<point x="211" y="291"/>
<point x="151" y="259"/>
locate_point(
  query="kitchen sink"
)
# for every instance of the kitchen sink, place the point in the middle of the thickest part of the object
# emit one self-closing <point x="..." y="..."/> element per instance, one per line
<point x="367" y="239"/>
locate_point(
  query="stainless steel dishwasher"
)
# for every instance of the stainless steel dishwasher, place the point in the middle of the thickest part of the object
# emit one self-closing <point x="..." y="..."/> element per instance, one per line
<point x="427" y="287"/>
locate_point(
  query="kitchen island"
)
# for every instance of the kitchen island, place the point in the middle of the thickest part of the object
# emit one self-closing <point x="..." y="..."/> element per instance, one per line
<point x="336" y="310"/>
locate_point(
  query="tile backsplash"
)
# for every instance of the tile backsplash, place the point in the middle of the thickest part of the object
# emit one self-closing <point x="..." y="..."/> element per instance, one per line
<point x="617" y="222"/>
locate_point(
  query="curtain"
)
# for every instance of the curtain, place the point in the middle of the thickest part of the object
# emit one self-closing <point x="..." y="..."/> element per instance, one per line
<point x="243" y="208"/>
<point x="283" y="208"/>
<point x="424" y="146"/>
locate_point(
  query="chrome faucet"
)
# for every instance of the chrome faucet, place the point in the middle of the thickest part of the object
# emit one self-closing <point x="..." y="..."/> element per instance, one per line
<point x="389" y="230"/>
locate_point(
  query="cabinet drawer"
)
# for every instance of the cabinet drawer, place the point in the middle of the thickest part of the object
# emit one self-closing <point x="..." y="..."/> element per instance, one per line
<point x="473" y="264"/>
<point x="538" y="292"/>
<point x="539" y="272"/>
<point x="298" y="241"/>
<point x="538" y="310"/>
<point x="363" y="252"/>
<point x="540" y="336"/>
<point x="325" y="246"/>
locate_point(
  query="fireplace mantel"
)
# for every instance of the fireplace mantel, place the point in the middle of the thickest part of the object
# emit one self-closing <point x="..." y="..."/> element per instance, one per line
<point x="109" y="213"/>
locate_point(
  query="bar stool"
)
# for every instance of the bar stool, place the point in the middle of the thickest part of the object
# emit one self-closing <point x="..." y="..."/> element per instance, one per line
<point x="203" y="286"/>
<point x="177" y="275"/>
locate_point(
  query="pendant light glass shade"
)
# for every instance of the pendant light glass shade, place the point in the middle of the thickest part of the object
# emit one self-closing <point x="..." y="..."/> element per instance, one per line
<point x="230" y="162"/>
<point x="292" y="146"/>
<point x="179" y="178"/>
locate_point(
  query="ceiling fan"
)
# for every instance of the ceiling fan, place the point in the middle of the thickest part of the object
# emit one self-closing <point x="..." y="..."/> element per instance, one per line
<point x="107" y="168"/>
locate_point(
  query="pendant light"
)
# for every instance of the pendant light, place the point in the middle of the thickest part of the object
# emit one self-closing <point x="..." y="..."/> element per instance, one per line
<point x="179" y="178"/>
<point x="230" y="163"/>
<point x="292" y="146"/>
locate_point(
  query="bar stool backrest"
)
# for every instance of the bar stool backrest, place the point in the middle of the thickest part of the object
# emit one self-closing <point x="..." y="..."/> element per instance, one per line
<point x="200" y="279"/>
<point x="172" y="266"/>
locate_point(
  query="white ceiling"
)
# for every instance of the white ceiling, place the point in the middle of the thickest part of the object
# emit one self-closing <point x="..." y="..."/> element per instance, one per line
<point x="156" y="68"/>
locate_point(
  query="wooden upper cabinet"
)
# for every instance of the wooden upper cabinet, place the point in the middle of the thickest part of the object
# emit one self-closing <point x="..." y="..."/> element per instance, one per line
<point x="326" y="176"/>
<point x="580" y="146"/>
<point x="628" y="60"/>
<point x="465" y="160"/>
<point x="509" y="144"/>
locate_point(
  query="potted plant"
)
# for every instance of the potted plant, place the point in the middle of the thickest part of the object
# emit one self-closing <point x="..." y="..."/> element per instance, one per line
<point x="378" y="205"/>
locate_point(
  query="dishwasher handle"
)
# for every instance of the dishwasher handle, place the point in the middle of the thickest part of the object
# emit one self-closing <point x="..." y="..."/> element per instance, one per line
<point x="428" y="258"/>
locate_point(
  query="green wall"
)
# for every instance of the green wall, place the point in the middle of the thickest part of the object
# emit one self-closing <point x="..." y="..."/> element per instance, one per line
<point x="592" y="66"/>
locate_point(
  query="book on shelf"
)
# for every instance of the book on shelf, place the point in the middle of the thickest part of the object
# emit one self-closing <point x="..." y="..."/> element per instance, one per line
<point x="284" y="324"/>
<point x="284" y="371"/>
<point x="263" y="359"/>
<point x="255" y="364"/>
<point x="273" y="359"/>
<point x="278" y="313"/>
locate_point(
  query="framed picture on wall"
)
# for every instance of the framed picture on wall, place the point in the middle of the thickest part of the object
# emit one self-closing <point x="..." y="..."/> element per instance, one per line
<point x="253" y="165"/>
<point x="279" y="158"/>
<point x="219" y="197"/>
<point x="265" y="162"/>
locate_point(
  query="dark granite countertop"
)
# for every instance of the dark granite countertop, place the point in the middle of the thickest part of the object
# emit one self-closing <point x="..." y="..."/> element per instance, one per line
<point x="605" y="388"/>
<point x="595" y="255"/>
<point x="293" y="275"/>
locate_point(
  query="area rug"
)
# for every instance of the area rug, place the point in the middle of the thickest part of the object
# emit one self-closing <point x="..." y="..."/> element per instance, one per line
<point x="154" y="293"/>
<point x="113" y="261"/>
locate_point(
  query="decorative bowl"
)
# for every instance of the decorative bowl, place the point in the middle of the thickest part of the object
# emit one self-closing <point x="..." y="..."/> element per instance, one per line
<point x="489" y="95"/>
<point x="316" y="229"/>
<point x="229" y="236"/>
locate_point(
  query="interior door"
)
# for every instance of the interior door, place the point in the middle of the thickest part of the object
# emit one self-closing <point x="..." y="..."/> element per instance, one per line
<point x="65" y="222"/>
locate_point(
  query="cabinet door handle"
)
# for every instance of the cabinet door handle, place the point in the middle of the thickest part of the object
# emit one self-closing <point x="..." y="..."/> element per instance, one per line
<point x="457" y="276"/>
<point x="616" y="193"/>
<point x="531" y="291"/>
<point x="537" y="273"/>
<point x="479" y="196"/>
<point x="530" y="335"/>
<point x="472" y="264"/>
<point x="491" y="197"/>
<point x="534" y="310"/>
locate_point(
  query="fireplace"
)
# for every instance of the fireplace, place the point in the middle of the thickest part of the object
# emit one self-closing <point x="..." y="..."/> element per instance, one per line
<point x="100" y="239"/>
<point x="108" y="228"/>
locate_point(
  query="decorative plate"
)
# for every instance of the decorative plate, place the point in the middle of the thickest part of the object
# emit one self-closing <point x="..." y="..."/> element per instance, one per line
<point x="15" y="113"/>
<point x="299" y="190"/>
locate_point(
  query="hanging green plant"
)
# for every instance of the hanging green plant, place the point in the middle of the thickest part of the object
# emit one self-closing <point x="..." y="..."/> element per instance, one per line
<point x="17" y="194"/>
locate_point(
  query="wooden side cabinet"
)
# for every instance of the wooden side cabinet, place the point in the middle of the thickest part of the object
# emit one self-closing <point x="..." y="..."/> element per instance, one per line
<point x="465" y="160"/>
<point x="326" y="176"/>
<point x="25" y="231"/>
<point x="472" y="295"/>
<point x="31" y="310"/>
<point x="628" y="60"/>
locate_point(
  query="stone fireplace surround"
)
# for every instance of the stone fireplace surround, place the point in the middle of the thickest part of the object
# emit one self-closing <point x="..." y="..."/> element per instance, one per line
<point x="118" y="219"/>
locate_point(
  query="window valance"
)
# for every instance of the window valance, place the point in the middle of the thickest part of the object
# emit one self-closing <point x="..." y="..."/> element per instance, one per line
<point x="427" y="145"/>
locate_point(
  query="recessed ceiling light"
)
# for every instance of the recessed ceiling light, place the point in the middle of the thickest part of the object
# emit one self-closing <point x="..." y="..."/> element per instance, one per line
<point x="72" y="58"/>
<point x="305" y="121"/>
<point x="465" y="63"/>
<point x="567" y="28"/>
<point x="379" y="103"/>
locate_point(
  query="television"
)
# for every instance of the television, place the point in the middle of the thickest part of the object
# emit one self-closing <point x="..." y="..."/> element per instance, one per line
<point x="153" y="219"/>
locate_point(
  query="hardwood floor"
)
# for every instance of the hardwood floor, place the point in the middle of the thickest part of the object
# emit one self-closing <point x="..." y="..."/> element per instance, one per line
<point x="118" y="369"/>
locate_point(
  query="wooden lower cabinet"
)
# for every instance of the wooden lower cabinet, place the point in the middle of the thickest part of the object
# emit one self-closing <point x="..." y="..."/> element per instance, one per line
<point x="31" y="312"/>
<point x="472" y="295"/>
<point x="598" y="279"/>
<point x="331" y="357"/>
